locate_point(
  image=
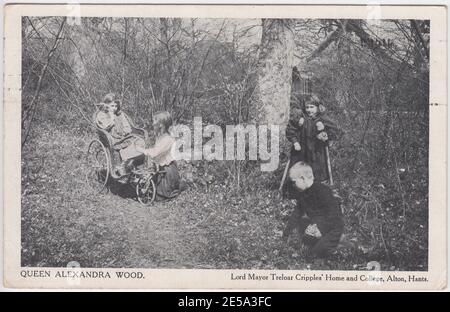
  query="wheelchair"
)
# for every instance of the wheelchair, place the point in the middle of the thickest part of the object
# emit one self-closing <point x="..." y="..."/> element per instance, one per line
<point x="100" y="161"/>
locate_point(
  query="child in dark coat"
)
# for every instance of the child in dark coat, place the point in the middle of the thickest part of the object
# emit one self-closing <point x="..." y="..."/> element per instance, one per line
<point x="309" y="131"/>
<point x="318" y="213"/>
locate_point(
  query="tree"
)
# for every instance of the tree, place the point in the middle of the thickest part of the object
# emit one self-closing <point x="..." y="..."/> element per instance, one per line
<point x="271" y="105"/>
<point x="30" y="112"/>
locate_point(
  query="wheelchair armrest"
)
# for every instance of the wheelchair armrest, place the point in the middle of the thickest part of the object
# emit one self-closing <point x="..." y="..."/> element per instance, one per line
<point x="140" y="132"/>
<point x="123" y="139"/>
<point x="135" y="131"/>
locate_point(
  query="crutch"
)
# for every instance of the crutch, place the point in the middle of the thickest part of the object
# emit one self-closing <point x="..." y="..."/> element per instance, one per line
<point x="329" y="165"/>
<point x="283" y="179"/>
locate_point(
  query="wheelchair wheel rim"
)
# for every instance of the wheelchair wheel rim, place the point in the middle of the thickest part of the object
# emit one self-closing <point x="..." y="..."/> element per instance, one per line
<point x="146" y="190"/>
<point x="98" y="167"/>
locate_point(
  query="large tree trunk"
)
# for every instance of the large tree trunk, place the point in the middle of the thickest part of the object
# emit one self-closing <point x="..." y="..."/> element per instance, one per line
<point x="343" y="82"/>
<point x="271" y="105"/>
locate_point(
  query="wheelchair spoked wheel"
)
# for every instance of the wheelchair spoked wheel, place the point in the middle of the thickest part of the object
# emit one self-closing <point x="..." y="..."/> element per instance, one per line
<point x="98" y="167"/>
<point x="146" y="190"/>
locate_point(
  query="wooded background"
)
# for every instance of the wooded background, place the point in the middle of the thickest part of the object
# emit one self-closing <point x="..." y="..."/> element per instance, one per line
<point x="372" y="76"/>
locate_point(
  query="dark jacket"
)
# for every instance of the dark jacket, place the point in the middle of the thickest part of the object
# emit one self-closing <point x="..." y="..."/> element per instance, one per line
<point x="312" y="149"/>
<point x="319" y="205"/>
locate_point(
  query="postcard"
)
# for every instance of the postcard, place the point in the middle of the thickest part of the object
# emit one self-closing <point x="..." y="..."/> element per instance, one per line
<point x="283" y="147"/>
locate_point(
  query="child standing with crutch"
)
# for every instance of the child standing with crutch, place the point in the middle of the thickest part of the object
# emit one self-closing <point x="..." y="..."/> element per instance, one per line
<point x="310" y="131"/>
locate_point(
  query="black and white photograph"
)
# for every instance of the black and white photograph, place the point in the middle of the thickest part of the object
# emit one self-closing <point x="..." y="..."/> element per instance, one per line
<point x="197" y="143"/>
<point x="197" y="146"/>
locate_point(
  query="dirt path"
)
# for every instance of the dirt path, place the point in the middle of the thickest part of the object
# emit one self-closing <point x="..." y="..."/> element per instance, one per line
<point x="64" y="221"/>
<point x="207" y="226"/>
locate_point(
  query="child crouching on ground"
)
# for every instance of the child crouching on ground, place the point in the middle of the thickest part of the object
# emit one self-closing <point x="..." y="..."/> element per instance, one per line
<point x="168" y="185"/>
<point x="317" y="214"/>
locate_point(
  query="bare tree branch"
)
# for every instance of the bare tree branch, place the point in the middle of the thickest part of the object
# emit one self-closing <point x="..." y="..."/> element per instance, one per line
<point x="332" y="37"/>
<point x="35" y="99"/>
<point x="419" y="35"/>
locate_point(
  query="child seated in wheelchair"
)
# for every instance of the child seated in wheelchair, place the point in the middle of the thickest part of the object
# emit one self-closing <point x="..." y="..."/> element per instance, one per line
<point x="112" y="119"/>
<point x="169" y="184"/>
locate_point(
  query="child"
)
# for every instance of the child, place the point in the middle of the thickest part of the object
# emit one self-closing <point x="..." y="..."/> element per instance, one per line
<point x="116" y="122"/>
<point x="168" y="185"/>
<point x="317" y="213"/>
<point x="309" y="131"/>
<point x="103" y="118"/>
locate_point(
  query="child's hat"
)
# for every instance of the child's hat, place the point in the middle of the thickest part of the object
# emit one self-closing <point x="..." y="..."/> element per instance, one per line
<point x="110" y="97"/>
<point x="313" y="99"/>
